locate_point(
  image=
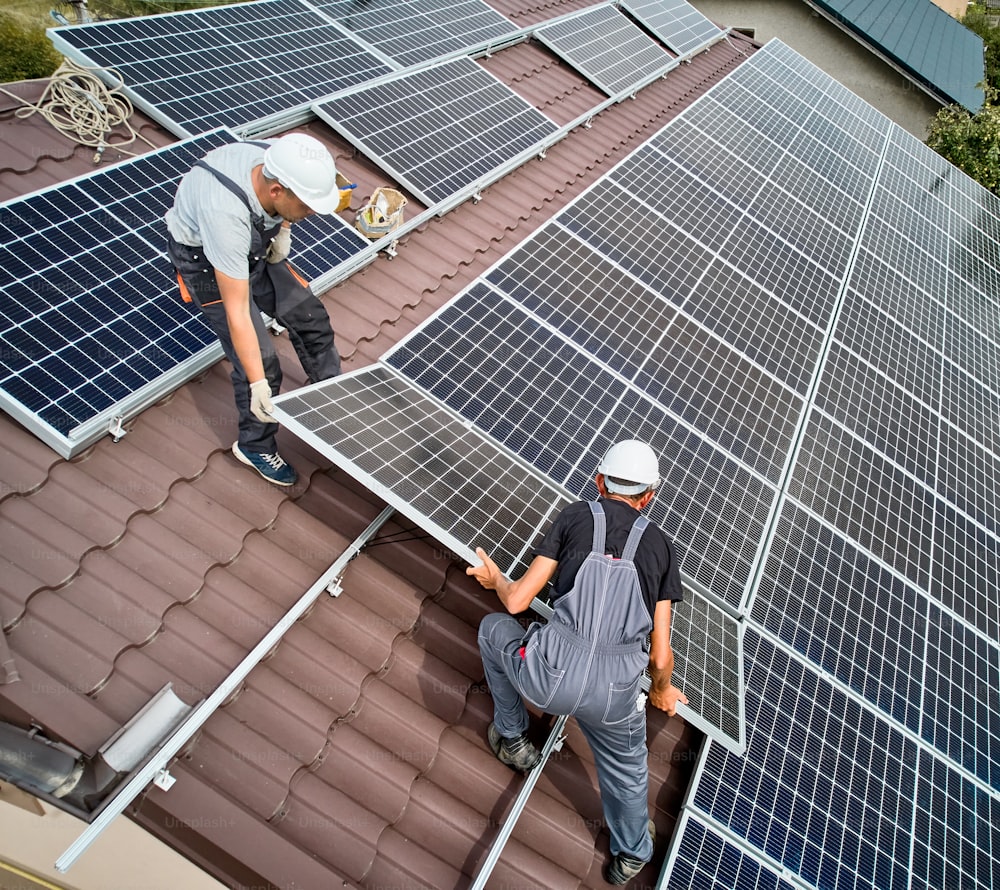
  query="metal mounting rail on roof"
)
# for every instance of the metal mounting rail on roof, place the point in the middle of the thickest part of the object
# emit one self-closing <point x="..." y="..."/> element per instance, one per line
<point x="155" y="769"/>
<point x="552" y="743"/>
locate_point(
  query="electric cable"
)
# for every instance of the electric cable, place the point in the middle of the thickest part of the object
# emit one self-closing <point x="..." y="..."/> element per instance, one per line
<point x="84" y="108"/>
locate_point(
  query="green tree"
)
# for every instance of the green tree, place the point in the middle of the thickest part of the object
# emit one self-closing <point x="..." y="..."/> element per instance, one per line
<point x="970" y="141"/>
<point x="978" y="21"/>
<point x="25" y="50"/>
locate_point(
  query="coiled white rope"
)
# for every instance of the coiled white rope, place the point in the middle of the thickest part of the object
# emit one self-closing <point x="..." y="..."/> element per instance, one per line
<point x="84" y="108"/>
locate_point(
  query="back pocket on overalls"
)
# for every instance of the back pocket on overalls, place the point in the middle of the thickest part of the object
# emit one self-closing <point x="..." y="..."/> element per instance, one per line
<point x="622" y="698"/>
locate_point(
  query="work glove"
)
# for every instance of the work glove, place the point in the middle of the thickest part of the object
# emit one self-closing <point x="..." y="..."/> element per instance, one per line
<point x="280" y="245"/>
<point x="260" y="401"/>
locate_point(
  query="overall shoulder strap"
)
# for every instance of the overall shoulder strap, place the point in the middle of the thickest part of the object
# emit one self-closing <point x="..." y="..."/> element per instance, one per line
<point x="229" y="184"/>
<point x="634" y="535"/>
<point x="600" y="527"/>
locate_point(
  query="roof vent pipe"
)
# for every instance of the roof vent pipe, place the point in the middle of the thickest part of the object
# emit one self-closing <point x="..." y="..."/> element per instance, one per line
<point x="28" y="759"/>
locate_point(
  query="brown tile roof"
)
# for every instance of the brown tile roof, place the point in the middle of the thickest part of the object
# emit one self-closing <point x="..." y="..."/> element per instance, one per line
<point x="354" y="755"/>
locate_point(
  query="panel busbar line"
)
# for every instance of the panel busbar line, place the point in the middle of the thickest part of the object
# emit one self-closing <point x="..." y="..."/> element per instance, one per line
<point x="606" y="48"/>
<point x="224" y="66"/>
<point x="414" y="31"/>
<point x="439" y="131"/>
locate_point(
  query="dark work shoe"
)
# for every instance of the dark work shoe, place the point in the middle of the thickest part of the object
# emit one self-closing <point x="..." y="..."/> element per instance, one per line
<point x="270" y="466"/>
<point x="519" y="753"/>
<point x="623" y="868"/>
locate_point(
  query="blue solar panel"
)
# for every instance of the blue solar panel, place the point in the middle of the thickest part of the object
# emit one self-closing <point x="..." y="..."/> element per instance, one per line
<point x="91" y="316"/>
<point x="704" y="860"/>
<point x="414" y="31"/>
<point x="846" y="613"/>
<point x="225" y="66"/>
<point x="91" y="324"/>
<point x="826" y="787"/>
<point x="956" y="838"/>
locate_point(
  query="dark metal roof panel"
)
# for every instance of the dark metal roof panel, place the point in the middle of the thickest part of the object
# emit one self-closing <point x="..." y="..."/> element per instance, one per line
<point x="923" y="39"/>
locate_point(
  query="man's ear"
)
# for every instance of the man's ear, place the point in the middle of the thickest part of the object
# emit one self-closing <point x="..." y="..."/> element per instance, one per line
<point x="599" y="482"/>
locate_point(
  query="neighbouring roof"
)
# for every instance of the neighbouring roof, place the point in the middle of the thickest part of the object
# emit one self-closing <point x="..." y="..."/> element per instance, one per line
<point x="354" y="755"/>
<point x="923" y="39"/>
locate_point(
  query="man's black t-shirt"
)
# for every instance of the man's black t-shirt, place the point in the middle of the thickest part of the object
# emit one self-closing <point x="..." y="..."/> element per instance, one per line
<point x="571" y="536"/>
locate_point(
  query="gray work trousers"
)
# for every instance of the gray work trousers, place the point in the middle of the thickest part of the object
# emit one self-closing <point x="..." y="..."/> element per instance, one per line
<point x="615" y="730"/>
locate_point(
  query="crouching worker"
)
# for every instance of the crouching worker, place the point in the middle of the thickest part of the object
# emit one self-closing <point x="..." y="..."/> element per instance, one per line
<point x="615" y="578"/>
<point x="229" y="238"/>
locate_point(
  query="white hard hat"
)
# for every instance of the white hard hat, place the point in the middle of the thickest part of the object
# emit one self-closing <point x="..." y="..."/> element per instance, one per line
<point x="302" y="164"/>
<point x="633" y="464"/>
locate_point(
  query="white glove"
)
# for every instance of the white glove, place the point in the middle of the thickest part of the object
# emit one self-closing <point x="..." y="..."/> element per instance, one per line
<point x="280" y="246"/>
<point x="260" y="401"/>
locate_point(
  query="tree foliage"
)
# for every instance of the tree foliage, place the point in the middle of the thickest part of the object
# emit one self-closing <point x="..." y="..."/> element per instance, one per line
<point x="25" y="50"/>
<point x="970" y="141"/>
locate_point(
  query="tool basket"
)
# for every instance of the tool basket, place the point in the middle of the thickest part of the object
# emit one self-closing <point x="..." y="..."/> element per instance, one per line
<point x="382" y="214"/>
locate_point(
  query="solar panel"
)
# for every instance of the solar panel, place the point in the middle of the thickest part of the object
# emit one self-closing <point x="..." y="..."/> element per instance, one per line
<point x="91" y="321"/>
<point x="457" y="483"/>
<point x="706" y="860"/>
<point x="414" y="31"/>
<point x="442" y="131"/>
<point x="794" y="302"/>
<point x="91" y="324"/>
<point x="826" y="787"/>
<point x="606" y="48"/>
<point x="677" y="23"/>
<point x="226" y="66"/>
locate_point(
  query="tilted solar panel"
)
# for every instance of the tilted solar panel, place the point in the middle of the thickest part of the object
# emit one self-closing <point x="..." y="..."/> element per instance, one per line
<point x="225" y="66"/>
<point x="606" y="48"/>
<point x="441" y="131"/>
<point x="91" y="320"/>
<point x="677" y="23"/>
<point x="92" y="327"/>
<point x="414" y="31"/>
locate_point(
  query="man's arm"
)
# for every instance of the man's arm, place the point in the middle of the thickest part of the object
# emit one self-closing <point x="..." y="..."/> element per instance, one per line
<point x="235" y="293"/>
<point x="515" y="595"/>
<point x="662" y="693"/>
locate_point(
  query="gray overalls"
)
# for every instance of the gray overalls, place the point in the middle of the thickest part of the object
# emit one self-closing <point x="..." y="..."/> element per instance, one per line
<point x="587" y="661"/>
<point x="278" y="290"/>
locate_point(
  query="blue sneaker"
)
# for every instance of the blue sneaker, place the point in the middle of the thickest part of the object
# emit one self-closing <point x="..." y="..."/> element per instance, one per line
<point x="270" y="466"/>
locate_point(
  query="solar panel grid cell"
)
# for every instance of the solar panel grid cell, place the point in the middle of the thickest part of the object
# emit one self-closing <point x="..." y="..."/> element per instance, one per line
<point x="706" y="861"/>
<point x="956" y="831"/>
<point x="964" y="568"/>
<point x="866" y="497"/>
<point x="757" y="324"/>
<point x="846" y="613"/>
<point x="962" y="700"/>
<point x="885" y="416"/>
<point x="732" y="402"/>
<point x="664" y="258"/>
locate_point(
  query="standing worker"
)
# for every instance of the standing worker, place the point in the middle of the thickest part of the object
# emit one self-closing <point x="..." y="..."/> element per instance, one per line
<point x="616" y="576"/>
<point x="229" y="238"/>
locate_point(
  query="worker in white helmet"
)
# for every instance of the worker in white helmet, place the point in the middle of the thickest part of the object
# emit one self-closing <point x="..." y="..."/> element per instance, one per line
<point x="229" y="238"/>
<point x="615" y="578"/>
